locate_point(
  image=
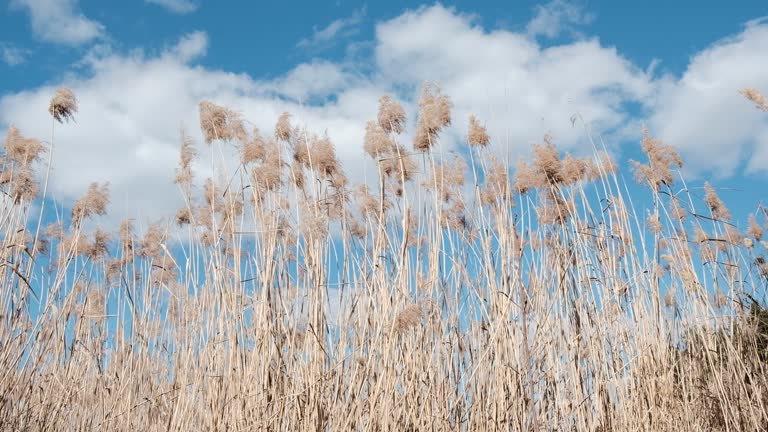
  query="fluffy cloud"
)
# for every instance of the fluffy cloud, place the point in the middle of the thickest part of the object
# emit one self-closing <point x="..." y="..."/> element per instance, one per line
<point x="176" y="6"/>
<point x="58" y="21"/>
<point x="521" y="89"/>
<point x="132" y="106"/>
<point x="703" y="114"/>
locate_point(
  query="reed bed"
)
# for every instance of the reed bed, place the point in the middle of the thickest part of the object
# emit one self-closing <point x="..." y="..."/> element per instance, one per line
<point x="452" y="292"/>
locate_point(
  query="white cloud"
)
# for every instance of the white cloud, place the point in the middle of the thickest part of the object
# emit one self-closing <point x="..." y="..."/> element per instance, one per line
<point x="176" y="6"/>
<point x="703" y="114"/>
<point x="308" y="81"/>
<point x="555" y="17"/>
<point x="13" y="55"/>
<point x="132" y="106"/>
<point x="191" y="46"/>
<point x="58" y="21"/>
<point x="341" y="27"/>
<point x="521" y="89"/>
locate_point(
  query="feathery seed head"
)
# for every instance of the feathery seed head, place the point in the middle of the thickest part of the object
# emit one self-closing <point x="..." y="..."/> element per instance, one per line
<point x="220" y="123"/>
<point x="63" y="105"/>
<point x="20" y="149"/>
<point x="601" y="166"/>
<point x="719" y="210"/>
<point x="183" y="216"/>
<point x="398" y="165"/>
<point x="409" y="317"/>
<point x="547" y="163"/>
<point x="434" y="115"/>
<point x="478" y="134"/>
<point x="661" y="157"/>
<point x="376" y="142"/>
<point x="151" y="243"/>
<point x="497" y="186"/>
<point x="269" y="176"/>
<point x="94" y="202"/>
<point x="99" y="247"/>
<point x="754" y="95"/>
<point x="253" y="148"/>
<point x="391" y="115"/>
<point x="187" y="154"/>
<point x="283" y="127"/>
<point x="574" y="170"/>
<point x="23" y="186"/>
<point x="755" y="230"/>
<point x="526" y="178"/>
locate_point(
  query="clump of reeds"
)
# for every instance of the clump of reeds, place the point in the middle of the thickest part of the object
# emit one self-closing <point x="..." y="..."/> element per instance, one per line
<point x="539" y="297"/>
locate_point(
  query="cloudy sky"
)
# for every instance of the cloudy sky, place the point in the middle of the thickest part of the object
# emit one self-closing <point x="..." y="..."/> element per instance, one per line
<point x="139" y="69"/>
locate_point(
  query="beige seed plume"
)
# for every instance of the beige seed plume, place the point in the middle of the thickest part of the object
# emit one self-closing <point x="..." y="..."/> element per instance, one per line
<point x="547" y="162"/>
<point x="754" y="95"/>
<point x="269" y="176"/>
<point x="398" y="164"/>
<point x="63" y="105"/>
<point x="408" y="318"/>
<point x="719" y="210"/>
<point x="151" y="243"/>
<point x="297" y="175"/>
<point x="497" y="184"/>
<point x="183" y="216"/>
<point x="22" y="182"/>
<point x="21" y="149"/>
<point x="601" y="165"/>
<point x="526" y="177"/>
<point x="376" y="142"/>
<point x="187" y="154"/>
<point x="253" y="149"/>
<point x="98" y="248"/>
<point x="574" y="170"/>
<point x="220" y="123"/>
<point x="283" y="127"/>
<point x="391" y="115"/>
<point x="434" y="115"/>
<point x="322" y="157"/>
<point x="755" y="230"/>
<point x="94" y="202"/>
<point x="478" y="134"/>
<point x="661" y="157"/>
<point x="654" y="223"/>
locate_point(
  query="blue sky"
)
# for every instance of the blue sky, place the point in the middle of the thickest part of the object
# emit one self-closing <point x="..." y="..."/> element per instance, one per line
<point x="243" y="34"/>
<point x="140" y="67"/>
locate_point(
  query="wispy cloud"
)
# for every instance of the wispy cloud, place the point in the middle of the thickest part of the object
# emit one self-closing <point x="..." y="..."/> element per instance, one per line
<point x="13" y="55"/>
<point x="59" y="21"/>
<point x="191" y="46"/>
<point x="176" y="6"/>
<point x="557" y="16"/>
<point x="342" y="27"/>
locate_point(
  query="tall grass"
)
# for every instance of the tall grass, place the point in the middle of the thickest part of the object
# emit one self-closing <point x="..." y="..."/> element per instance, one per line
<point x="447" y="294"/>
